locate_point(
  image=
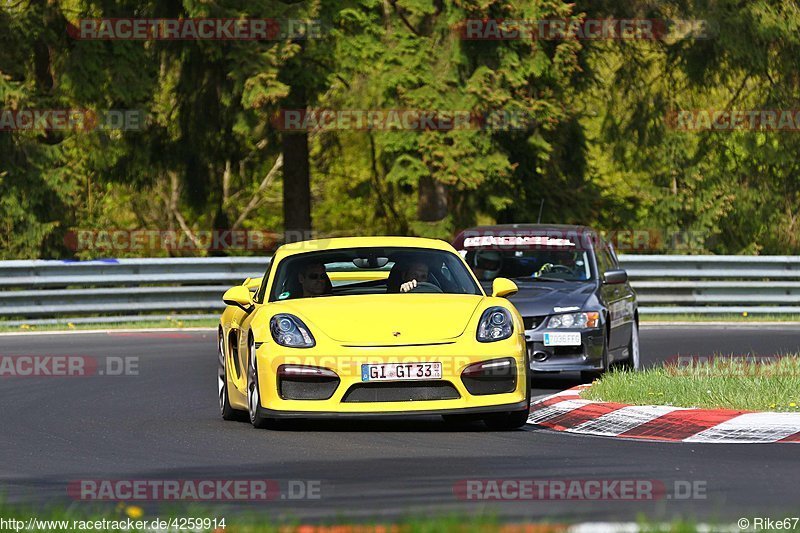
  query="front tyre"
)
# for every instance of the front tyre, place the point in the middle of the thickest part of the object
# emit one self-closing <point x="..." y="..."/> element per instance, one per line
<point x="633" y="362"/>
<point x="253" y="392"/>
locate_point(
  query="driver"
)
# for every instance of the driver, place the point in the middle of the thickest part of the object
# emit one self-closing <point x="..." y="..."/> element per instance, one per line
<point x="487" y="264"/>
<point x="314" y="280"/>
<point x="415" y="272"/>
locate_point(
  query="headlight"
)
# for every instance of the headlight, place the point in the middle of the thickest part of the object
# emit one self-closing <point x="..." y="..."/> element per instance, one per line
<point x="495" y="325"/>
<point x="574" y="320"/>
<point x="288" y="330"/>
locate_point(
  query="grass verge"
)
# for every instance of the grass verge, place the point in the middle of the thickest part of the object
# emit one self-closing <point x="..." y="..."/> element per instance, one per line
<point x="720" y="382"/>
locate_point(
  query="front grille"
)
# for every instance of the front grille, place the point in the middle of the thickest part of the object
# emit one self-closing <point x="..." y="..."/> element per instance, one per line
<point x="401" y="392"/>
<point x="533" y="322"/>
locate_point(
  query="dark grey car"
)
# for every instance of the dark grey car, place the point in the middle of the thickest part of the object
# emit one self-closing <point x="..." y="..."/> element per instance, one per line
<point x="579" y="310"/>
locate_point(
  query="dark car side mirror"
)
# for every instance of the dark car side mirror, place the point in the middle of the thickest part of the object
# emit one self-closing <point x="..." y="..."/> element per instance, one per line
<point x="615" y="277"/>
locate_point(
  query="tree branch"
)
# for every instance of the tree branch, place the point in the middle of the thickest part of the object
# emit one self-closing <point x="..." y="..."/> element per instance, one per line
<point x="172" y="202"/>
<point x="403" y="18"/>
<point x="261" y="188"/>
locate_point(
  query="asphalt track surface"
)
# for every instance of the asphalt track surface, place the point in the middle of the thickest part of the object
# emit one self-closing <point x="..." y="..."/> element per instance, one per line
<point x="164" y="424"/>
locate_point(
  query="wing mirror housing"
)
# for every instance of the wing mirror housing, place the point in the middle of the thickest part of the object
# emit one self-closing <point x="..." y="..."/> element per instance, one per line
<point x="615" y="277"/>
<point x="503" y="287"/>
<point x="239" y="296"/>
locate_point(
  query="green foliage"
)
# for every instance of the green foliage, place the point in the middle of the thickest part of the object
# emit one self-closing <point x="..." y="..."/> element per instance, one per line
<point x="589" y="141"/>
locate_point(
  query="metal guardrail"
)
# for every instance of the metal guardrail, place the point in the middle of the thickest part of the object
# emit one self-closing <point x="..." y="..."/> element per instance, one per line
<point x="708" y="284"/>
<point x="50" y="291"/>
<point x="126" y="288"/>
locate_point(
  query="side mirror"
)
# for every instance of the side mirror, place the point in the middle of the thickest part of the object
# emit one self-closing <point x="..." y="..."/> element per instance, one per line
<point x="240" y="297"/>
<point x="615" y="277"/>
<point x="503" y="287"/>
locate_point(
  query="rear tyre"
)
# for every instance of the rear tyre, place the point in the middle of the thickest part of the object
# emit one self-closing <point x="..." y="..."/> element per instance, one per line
<point x="253" y="392"/>
<point x="225" y="409"/>
<point x="507" y="421"/>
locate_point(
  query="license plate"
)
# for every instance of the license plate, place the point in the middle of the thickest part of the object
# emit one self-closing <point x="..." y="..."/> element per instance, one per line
<point x="571" y="338"/>
<point x="401" y="371"/>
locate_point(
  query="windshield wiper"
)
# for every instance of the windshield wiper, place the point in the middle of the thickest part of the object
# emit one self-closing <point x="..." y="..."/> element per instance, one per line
<point x="540" y="278"/>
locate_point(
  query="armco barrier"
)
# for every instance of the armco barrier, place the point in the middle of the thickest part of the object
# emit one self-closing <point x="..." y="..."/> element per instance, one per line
<point x="122" y="289"/>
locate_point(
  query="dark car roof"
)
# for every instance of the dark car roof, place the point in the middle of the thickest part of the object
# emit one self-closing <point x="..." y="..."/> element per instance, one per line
<point x="587" y="235"/>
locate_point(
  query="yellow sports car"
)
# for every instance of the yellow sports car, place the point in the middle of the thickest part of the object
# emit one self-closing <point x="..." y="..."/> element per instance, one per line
<point x="372" y="326"/>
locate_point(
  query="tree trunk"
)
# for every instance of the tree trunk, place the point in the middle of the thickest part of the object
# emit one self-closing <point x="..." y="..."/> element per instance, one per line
<point x="296" y="186"/>
<point x="432" y="200"/>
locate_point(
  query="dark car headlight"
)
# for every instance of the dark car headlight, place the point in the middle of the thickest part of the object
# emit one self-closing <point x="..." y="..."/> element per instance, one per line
<point x="575" y="320"/>
<point x="496" y="324"/>
<point x="288" y="330"/>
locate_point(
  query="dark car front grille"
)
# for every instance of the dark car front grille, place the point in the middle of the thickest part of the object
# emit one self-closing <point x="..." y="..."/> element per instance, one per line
<point x="533" y="322"/>
<point x="401" y="392"/>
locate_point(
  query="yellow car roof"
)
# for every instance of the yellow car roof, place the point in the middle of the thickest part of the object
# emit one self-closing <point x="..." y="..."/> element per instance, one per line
<point x="363" y="242"/>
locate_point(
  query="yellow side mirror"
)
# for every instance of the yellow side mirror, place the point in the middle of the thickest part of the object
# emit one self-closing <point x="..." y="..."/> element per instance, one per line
<point x="502" y="287"/>
<point x="239" y="296"/>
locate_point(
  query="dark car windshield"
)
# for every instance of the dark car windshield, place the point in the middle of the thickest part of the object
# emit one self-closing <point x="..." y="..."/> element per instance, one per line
<point x="519" y="265"/>
<point x="378" y="270"/>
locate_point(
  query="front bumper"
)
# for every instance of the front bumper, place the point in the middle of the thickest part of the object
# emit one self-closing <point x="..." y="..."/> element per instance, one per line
<point x="586" y="357"/>
<point x="350" y="398"/>
<point x="273" y="413"/>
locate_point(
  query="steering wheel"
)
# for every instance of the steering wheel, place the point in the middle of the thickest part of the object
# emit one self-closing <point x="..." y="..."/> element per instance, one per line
<point x="424" y="286"/>
<point x="561" y="268"/>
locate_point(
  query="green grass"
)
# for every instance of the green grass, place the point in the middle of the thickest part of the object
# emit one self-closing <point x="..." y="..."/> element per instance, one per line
<point x="720" y="382"/>
<point x="253" y="522"/>
<point x="262" y="520"/>
<point x="174" y="323"/>
<point x="730" y="317"/>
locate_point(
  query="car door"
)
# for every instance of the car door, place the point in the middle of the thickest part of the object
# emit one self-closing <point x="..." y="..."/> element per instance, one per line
<point x="612" y="296"/>
<point x="240" y="329"/>
<point x="626" y="303"/>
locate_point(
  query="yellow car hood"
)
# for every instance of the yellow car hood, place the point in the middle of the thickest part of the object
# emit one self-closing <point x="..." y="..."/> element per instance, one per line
<point x="387" y="319"/>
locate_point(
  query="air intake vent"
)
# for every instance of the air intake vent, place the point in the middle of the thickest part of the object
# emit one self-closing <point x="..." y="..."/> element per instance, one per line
<point x="401" y="392"/>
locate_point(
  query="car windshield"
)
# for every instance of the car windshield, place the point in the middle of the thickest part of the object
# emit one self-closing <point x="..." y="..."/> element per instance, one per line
<point x="521" y="265"/>
<point x="374" y="270"/>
